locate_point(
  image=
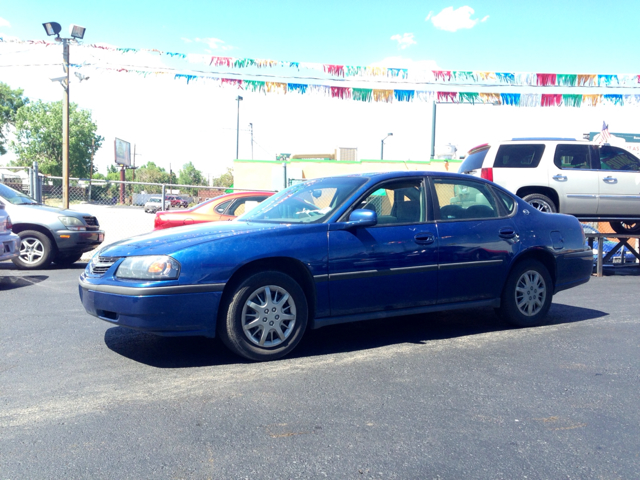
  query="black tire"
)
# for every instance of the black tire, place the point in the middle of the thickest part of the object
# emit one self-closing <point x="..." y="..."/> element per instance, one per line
<point x="625" y="226"/>
<point x="66" y="260"/>
<point x="36" y="251"/>
<point x="541" y="202"/>
<point x="235" y="323"/>
<point x="526" y="296"/>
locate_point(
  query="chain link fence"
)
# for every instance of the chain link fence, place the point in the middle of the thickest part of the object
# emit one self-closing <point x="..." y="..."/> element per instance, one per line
<point x="118" y="206"/>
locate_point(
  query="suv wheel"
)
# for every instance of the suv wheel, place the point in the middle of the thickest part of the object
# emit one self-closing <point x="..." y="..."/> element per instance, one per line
<point x="629" y="227"/>
<point x="35" y="251"/>
<point x="541" y="202"/>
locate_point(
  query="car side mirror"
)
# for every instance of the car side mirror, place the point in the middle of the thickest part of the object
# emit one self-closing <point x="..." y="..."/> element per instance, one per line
<point x="359" y="218"/>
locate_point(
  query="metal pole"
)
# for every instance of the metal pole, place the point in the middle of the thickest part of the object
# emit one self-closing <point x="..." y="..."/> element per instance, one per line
<point x="433" y="132"/>
<point x="251" y="125"/>
<point x="65" y="126"/>
<point x="382" y="149"/>
<point x="93" y="148"/>
<point x="238" y="128"/>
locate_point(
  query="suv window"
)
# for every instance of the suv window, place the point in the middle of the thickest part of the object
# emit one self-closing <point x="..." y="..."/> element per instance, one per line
<point x="614" y="158"/>
<point x="518" y="156"/>
<point x="464" y="200"/>
<point x="474" y="161"/>
<point x="572" y="157"/>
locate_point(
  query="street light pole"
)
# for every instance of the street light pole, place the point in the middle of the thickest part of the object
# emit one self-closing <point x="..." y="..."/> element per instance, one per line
<point x="382" y="145"/>
<point x="65" y="125"/>
<point x="251" y="126"/>
<point x="238" y="127"/>
<point x="76" y="32"/>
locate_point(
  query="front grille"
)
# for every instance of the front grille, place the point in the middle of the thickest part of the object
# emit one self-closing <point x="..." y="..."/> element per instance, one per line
<point x="92" y="223"/>
<point x="103" y="264"/>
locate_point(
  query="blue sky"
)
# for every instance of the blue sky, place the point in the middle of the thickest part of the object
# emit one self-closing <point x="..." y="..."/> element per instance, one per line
<point x="171" y="121"/>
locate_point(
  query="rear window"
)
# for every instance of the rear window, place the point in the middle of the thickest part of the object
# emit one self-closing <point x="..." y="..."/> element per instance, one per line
<point x="474" y="161"/>
<point x="518" y="156"/>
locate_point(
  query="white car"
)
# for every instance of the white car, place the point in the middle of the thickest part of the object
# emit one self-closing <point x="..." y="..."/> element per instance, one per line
<point x="154" y="204"/>
<point x="590" y="181"/>
<point x="9" y="242"/>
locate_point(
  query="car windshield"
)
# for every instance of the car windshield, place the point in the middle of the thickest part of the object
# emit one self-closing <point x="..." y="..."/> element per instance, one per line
<point x="15" y="197"/>
<point x="309" y="202"/>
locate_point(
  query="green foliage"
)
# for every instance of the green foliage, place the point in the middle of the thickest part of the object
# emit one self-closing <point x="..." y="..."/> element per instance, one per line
<point x="224" y="180"/>
<point x="39" y="138"/>
<point x="10" y="102"/>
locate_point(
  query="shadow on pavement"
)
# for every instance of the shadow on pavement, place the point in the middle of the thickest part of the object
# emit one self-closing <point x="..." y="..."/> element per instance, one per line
<point x="11" y="282"/>
<point x="186" y="352"/>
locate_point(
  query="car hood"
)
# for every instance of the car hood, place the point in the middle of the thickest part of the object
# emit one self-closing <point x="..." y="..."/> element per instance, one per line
<point x="21" y="212"/>
<point x="168" y="241"/>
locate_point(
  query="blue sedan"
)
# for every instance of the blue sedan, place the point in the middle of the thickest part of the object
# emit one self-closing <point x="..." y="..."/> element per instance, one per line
<point x="341" y="249"/>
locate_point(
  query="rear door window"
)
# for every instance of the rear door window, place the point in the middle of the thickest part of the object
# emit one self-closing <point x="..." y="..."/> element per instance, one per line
<point x="572" y="157"/>
<point x="463" y="200"/>
<point x="518" y="156"/>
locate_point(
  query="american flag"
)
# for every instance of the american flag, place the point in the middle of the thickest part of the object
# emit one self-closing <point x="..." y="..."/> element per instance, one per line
<point x="604" y="134"/>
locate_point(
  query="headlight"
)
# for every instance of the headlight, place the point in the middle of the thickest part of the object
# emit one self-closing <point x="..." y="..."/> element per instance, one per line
<point x="156" y="267"/>
<point x="72" y="223"/>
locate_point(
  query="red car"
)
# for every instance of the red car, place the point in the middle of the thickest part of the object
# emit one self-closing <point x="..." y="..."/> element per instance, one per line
<point x="224" y="207"/>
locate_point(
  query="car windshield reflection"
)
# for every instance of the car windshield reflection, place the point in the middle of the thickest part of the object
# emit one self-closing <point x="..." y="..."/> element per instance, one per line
<point x="309" y="202"/>
<point x="14" y="197"/>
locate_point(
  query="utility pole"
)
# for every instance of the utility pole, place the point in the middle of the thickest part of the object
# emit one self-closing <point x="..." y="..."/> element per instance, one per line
<point x="251" y="126"/>
<point x="93" y="150"/>
<point x="65" y="125"/>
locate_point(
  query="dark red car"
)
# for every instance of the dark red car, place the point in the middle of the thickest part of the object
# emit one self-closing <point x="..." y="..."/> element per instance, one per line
<point x="224" y="207"/>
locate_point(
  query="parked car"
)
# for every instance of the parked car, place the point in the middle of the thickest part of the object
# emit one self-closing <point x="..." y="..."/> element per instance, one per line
<point x="154" y="204"/>
<point x="224" y="207"/>
<point x="607" y="246"/>
<point x="9" y="242"/>
<point x="177" y="201"/>
<point x="49" y="234"/>
<point x="592" y="182"/>
<point x="341" y="249"/>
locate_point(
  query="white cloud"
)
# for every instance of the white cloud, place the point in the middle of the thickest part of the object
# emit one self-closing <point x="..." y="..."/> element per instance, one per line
<point x="4" y="23"/>
<point x="214" y="43"/>
<point x="484" y="19"/>
<point x="405" y="40"/>
<point x="452" y="20"/>
<point x="186" y="40"/>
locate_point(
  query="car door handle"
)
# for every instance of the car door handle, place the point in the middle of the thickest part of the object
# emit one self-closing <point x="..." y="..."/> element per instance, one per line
<point x="610" y="179"/>
<point x="560" y="178"/>
<point x="507" y="232"/>
<point x="424" y="238"/>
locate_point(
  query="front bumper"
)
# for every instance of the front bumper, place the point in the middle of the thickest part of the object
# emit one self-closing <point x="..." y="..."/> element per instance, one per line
<point x="9" y="246"/>
<point x="175" y="314"/>
<point x="71" y="241"/>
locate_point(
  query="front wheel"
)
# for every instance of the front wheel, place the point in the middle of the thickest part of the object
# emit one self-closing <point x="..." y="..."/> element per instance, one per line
<point x="526" y="296"/>
<point x="36" y="250"/>
<point x="541" y="202"/>
<point x="623" y="227"/>
<point x="265" y="317"/>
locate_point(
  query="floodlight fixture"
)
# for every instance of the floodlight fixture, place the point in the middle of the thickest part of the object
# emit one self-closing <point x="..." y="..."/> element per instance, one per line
<point x="52" y="28"/>
<point x="76" y="31"/>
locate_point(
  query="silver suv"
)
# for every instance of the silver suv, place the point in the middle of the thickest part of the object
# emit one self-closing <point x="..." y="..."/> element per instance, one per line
<point x="592" y="182"/>
<point x="49" y="234"/>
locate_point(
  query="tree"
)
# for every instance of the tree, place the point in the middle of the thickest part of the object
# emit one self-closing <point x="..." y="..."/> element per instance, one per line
<point x="39" y="138"/>
<point x="10" y="102"/>
<point x="224" y="180"/>
<point x="190" y="175"/>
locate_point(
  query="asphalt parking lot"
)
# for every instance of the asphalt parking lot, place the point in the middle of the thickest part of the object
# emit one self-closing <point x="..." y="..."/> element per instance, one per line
<point x="442" y="396"/>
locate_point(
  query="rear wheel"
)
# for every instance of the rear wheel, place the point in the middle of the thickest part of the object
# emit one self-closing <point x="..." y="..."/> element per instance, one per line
<point x="265" y="317"/>
<point x="541" y="202"/>
<point x="623" y="227"/>
<point x="527" y="293"/>
<point x="35" y="250"/>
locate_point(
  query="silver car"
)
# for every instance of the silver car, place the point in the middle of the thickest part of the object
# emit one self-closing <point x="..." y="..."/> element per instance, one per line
<point x="9" y="242"/>
<point x="49" y="234"/>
